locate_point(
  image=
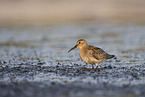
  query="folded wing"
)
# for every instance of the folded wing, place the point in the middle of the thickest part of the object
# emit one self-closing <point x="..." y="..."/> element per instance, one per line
<point x="99" y="53"/>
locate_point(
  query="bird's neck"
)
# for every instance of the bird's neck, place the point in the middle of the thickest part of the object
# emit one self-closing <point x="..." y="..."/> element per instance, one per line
<point x="85" y="47"/>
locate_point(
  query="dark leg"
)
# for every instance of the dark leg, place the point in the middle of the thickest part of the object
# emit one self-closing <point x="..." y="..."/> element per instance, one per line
<point x="96" y="65"/>
<point x="92" y="66"/>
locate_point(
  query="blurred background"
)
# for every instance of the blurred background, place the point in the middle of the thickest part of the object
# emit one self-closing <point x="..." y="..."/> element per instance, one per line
<point x="35" y="35"/>
<point x="46" y="12"/>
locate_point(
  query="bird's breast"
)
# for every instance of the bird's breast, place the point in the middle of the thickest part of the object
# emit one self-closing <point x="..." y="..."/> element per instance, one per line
<point x="85" y="56"/>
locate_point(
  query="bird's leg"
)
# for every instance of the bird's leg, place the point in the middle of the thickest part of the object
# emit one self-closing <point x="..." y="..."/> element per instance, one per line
<point x="92" y="66"/>
<point x="96" y="65"/>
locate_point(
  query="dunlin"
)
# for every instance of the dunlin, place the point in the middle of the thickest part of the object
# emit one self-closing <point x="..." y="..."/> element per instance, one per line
<point x="90" y="54"/>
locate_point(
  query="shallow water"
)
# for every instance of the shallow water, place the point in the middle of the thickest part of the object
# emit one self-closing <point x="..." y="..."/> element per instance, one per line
<point x="37" y="57"/>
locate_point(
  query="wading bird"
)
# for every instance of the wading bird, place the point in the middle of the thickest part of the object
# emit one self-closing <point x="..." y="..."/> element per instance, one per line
<point x="90" y="54"/>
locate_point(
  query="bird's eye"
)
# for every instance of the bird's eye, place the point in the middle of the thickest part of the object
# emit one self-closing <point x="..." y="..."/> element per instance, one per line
<point x="79" y="42"/>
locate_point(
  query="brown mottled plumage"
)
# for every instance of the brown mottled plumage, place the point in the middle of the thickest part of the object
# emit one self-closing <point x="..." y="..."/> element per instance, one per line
<point x="90" y="54"/>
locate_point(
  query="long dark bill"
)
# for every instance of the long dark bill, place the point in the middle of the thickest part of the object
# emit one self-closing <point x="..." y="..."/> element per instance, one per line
<point x="72" y="48"/>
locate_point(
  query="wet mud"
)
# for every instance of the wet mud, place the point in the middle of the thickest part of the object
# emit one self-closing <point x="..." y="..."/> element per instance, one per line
<point x="34" y="64"/>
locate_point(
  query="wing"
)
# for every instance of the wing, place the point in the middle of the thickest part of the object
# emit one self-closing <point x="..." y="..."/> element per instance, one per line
<point x="99" y="53"/>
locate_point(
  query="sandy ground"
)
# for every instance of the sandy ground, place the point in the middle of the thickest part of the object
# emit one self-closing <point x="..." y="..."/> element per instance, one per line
<point x="27" y="12"/>
<point x="34" y="61"/>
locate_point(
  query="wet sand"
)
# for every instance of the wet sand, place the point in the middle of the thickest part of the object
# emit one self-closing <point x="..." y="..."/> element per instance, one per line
<point x="35" y="36"/>
<point x="34" y="61"/>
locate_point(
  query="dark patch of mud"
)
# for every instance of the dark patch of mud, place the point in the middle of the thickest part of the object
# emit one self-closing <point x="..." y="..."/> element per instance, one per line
<point x="70" y="81"/>
<point x="33" y="89"/>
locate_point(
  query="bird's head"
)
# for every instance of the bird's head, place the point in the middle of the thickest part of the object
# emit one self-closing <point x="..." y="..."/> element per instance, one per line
<point x="80" y="43"/>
